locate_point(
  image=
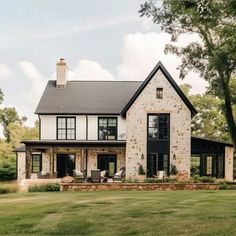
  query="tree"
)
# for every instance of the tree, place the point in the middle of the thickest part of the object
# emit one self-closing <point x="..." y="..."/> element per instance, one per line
<point x="214" y="58"/>
<point x="18" y="132"/>
<point x="210" y="121"/>
<point x="1" y="96"/>
<point x="9" y="115"/>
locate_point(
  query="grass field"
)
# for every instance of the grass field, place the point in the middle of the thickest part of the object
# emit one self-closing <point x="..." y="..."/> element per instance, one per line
<point x="119" y="213"/>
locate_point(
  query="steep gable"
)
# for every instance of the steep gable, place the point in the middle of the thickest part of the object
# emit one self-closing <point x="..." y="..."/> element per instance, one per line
<point x="160" y="67"/>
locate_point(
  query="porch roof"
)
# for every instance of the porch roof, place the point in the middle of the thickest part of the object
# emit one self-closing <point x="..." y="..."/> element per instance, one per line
<point x="74" y="143"/>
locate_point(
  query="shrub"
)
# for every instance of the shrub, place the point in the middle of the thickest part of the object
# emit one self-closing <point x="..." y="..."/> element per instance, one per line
<point x="173" y="170"/>
<point x="141" y="171"/>
<point x="227" y="186"/>
<point x="50" y="187"/>
<point x="7" y="171"/>
<point x="150" y="180"/>
<point x="204" y="179"/>
<point x="8" y="187"/>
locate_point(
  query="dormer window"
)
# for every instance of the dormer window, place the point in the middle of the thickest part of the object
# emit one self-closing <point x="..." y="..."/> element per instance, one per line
<point x="159" y="93"/>
<point x="65" y="128"/>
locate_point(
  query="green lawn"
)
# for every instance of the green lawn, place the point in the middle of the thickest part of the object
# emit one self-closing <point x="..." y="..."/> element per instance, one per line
<point x="119" y="213"/>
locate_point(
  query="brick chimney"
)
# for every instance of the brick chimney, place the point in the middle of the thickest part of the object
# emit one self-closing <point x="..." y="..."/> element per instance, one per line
<point x="62" y="72"/>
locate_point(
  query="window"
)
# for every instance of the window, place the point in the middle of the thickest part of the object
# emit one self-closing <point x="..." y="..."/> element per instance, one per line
<point x="159" y="93"/>
<point x="209" y="165"/>
<point x="158" y="127"/>
<point x="195" y="165"/>
<point x="65" y="127"/>
<point x="36" y="163"/>
<point x="107" y="128"/>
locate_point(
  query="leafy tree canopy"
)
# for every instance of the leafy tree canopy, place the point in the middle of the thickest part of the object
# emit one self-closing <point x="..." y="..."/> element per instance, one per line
<point x="214" y="57"/>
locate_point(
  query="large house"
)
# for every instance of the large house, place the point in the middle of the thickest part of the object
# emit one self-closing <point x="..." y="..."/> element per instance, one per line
<point x="108" y="125"/>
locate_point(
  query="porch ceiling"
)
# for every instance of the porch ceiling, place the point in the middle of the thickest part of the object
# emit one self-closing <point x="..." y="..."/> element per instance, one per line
<point x="74" y="143"/>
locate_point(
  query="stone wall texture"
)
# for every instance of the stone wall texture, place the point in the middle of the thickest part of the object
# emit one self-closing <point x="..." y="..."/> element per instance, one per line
<point x="180" y="126"/>
<point x="229" y="158"/>
<point x="20" y="166"/>
<point x="93" y="153"/>
<point x="135" y="186"/>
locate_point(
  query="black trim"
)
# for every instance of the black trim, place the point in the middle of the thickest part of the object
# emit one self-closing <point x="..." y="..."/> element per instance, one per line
<point x="164" y="143"/>
<point x="39" y="127"/>
<point x="109" y="117"/>
<point x="66" y="117"/>
<point x="40" y="162"/>
<point x="42" y="144"/>
<point x="74" y="114"/>
<point x="159" y="66"/>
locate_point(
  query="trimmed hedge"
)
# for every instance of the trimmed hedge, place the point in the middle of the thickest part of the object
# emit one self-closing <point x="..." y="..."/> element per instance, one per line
<point x="50" y="187"/>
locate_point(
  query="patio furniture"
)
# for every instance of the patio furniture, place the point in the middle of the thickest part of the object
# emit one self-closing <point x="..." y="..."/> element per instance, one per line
<point x="160" y="175"/>
<point x="78" y="176"/>
<point x="103" y="175"/>
<point x="95" y="176"/>
<point x="43" y="175"/>
<point x="119" y="175"/>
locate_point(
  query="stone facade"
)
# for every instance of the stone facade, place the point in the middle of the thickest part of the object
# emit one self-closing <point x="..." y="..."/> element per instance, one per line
<point x="136" y="186"/>
<point x="229" y="158"/>
<point x="180" y="126"/>
<point x="20" y="166"/>
<point x="93" y="153"/>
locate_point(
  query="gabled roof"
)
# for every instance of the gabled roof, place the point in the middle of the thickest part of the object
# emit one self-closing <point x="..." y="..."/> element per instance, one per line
<point x="160" y="66"/>
<point x="87" y="97"/>
<point x="99" y="97"/>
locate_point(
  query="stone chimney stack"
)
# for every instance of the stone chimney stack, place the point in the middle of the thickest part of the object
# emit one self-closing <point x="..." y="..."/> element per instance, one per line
<point x="62" y="73"/>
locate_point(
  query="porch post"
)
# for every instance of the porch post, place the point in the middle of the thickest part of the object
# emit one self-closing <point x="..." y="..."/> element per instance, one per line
<point x="28" y="163"/>
<point x="52" y="163"/>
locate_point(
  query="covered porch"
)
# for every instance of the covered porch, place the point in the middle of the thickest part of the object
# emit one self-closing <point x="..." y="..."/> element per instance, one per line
<point x="44" y="159"/>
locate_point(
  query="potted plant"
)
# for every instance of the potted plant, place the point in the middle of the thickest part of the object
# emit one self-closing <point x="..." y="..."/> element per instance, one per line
<point x="141" y="173"/>
<point x="173" y="172"/>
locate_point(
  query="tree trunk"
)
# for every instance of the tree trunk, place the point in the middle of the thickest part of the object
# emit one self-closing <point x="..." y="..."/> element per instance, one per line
<point x="229" y="112"/>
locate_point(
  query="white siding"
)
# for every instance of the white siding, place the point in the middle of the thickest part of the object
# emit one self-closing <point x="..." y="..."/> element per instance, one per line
<point x="81" y="127"/>
<point x="48" y="127"/>
<point x="92" y="127"/>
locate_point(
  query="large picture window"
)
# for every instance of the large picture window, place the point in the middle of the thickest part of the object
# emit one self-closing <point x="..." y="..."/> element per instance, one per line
<point x="65" y="127"/>
<point x="107" y="128"/>
<point x="158" y="127"/>
<point x="36" y="163"/>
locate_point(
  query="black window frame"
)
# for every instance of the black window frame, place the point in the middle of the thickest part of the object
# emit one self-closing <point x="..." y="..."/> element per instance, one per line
<point x="159" y="93"/>
<point x="158" y="127"/>
<point x="66" y="128"/>
<point x="116" y="127"/>
<point x="38" y="166"/>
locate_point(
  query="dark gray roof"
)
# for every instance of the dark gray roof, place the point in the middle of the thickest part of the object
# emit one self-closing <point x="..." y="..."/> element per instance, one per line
<point x="20" y="149"/>
<point x="87" y="97"/>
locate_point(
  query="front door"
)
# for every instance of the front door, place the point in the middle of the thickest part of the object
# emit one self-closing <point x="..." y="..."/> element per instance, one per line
<point x="65" y="165"/>
<point x="157" y="162"/>
<point x="108" y="163"/>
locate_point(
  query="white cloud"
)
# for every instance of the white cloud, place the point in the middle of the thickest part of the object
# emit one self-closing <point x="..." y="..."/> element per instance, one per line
<point x="5" y="72"/>
<point x="90" y="70"/>
<point x="32" y="96"/>
<point x="141" y="52"/>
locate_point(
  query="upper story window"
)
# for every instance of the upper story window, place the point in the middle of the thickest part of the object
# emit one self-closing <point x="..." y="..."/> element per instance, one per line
<point x="107" y="128"/>
<point x="159" y="93"/>
<point x="65" y="128"/>
<point x="158" y="127"/>
<point x="36" y="163"/>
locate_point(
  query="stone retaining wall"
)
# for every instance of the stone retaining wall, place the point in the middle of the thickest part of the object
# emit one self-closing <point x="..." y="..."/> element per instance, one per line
<point x="136" y="186"/>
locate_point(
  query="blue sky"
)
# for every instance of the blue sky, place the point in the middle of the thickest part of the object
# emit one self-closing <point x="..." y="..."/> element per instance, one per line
<point x="99" y="39"/>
